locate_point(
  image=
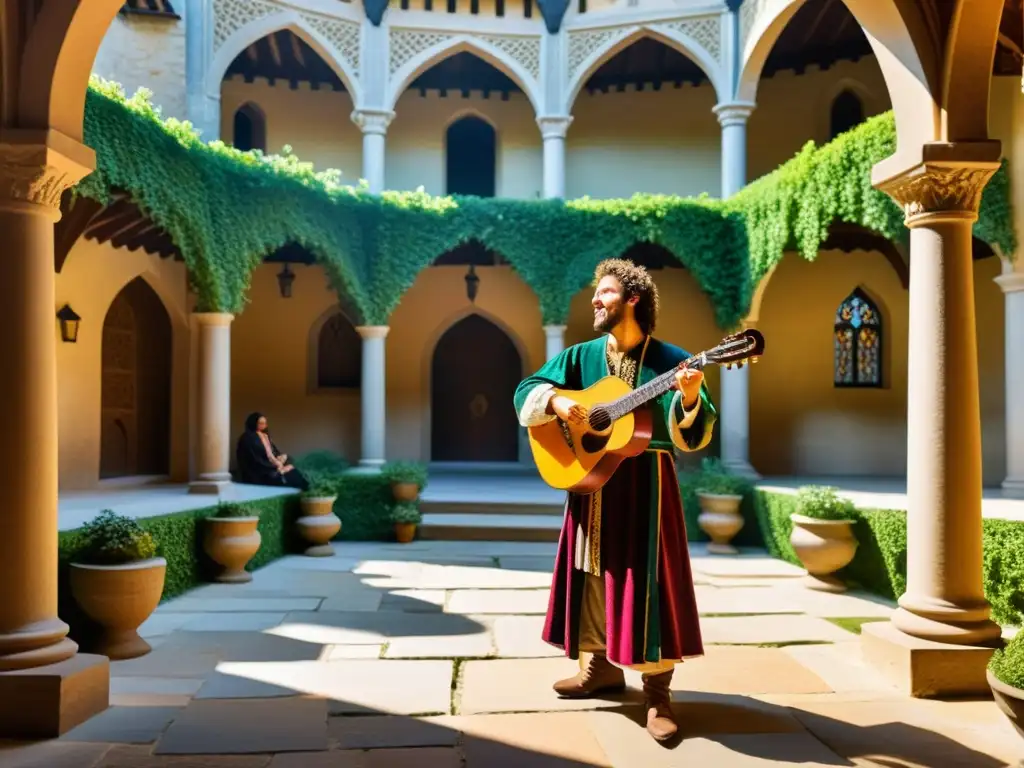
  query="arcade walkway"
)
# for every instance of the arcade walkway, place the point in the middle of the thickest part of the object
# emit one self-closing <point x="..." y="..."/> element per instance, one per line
<point x="428" y="655"/>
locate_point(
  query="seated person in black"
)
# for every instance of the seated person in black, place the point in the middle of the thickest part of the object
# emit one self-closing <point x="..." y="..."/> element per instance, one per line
<point x="259" y="461"/>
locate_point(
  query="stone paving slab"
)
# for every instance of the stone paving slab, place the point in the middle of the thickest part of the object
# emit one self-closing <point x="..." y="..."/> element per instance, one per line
<point x="760" y="630"/>
<point x="140" y="757"/>
<point x="407" y="633"/>
<point x="520" y="637"/>
<point x="414" y="600"/>
<point x="50" y="754"/>
<point x="744" y="567"/>
<point x="247" y="727"/>
<point x="524" y="685"/>
<point x="152" y="691"/>
<point x="841" y="666"/>
<point x="392" y="732"/>
<point x="162" y="623"/>
<point x="125" y="725"/>
<point x="240" y="604"/>
<point x="535" y="563"/>
<point x="352" y="685"/>
<point x="236" y="646"/>
<point x="746" y="670"/>
<point x="562" y="740"/>
<point x="232" y="622"/>
<point x="428" y="757"/>
<point x="462" y="577"/>
<point x="336" y="652"/>
<point x="504" y="601"/>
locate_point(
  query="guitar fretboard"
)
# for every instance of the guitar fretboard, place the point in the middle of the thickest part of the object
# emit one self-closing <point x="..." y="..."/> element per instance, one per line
<point x="652" y="389"/>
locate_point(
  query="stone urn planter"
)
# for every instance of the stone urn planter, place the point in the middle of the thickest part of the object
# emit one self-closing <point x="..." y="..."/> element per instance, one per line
<point x="318" y="524"/>
<point x="1005" y="677"/>
<point x="1010" y="701"/>
<point x="117" y="581"/>
<point x="720" y="519"/>
<point x="822" y="536"/>
<point x="407" y="478"/>
<point x="405" y="516"/>
<point x="231" y="539"/>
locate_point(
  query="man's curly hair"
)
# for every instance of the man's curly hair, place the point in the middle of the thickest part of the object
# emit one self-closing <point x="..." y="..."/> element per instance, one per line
<point x="635" y="281"/>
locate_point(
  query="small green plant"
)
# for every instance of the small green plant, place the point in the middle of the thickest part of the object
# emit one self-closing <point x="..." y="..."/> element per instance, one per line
<point x="1007" y="664"/>
<point x="406" y="512"/>
<point x="322" y="484"/>
<point x="321" y="461"/>
<point x="229" y="510"/>
<point x="714" y="478"/>
<point x="824" y="503"/>
<point x="406" y="472"/>
<point x="111" y="539"/>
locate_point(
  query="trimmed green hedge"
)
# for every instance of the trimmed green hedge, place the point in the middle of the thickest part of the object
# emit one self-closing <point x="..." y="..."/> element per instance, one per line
<point x="880" y="565"/>
<point x="364" y="506"/>
<point x="227" y="209"/>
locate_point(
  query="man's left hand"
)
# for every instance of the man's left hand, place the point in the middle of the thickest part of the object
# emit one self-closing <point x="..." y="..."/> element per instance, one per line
<point x="688" y="382"/>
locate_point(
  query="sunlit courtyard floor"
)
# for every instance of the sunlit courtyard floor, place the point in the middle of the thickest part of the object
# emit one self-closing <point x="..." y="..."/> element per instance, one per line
<point x="429" y="654"/>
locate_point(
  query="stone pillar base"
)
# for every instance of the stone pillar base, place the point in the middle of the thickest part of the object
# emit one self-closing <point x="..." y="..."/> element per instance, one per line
<point x="368" y="467"/>
<point x="742" y="468"/>
<point x="47" y="702"/>
<point x="1013" y="488"/>
<point x="924" y="668"/>
<point x="214" y="485"/>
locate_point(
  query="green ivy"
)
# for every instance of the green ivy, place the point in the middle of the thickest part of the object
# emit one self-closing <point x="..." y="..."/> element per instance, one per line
<point x="226" y="210"/>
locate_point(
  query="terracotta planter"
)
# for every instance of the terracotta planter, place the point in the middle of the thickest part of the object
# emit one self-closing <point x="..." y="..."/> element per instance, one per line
<point x="1010" y="701"/>
<point x="720" y="519"/>
<point x="405" y="532"/>
<point x="823" y="546"/>
<point x="231" y="542"/>
<point x="405" y="491"/>
<point x="119" y="598"/>
<point x="318" y="524"/>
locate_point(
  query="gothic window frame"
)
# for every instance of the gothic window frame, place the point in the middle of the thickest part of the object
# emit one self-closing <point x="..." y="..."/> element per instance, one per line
<point x="463" y="116"/>
<point x="845" y="93"/>
<point x="315" y="384"/>
<point x="258" y="119"/>
<point x="854" y="325"/>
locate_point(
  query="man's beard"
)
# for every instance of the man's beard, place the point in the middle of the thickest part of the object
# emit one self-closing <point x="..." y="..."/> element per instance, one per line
<point x="604" y="323"/>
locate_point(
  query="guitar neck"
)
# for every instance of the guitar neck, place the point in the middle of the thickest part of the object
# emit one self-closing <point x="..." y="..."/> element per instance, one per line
<point x="652" y="389"/>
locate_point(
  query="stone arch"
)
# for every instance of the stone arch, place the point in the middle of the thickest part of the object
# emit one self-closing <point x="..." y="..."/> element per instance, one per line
<point x="137" y="354"/>
<point x="242" y="38"/>
<point x="509" y="362"/>
<point x="257" y="118"/>
<point x="678" y="41"/>
<point x="313" y="346"/>
<point x="902" y="46"/>
<point x="417" y="65"/>
<point x="483" y="181"/>
<point x="970" y="51"/>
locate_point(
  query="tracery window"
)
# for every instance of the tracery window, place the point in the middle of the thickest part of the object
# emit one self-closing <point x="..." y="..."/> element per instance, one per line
<point x="339" y="354"/>
<point x="857" y="339"/>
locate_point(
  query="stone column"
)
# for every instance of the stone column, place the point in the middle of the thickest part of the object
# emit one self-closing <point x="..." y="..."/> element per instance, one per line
<point x="203" y="99"/>
<point x="554" y="336"/>
<point x="735" y="394"/>
<point x="943" y="610"/>
<point x="1012" y="284"/>
<point x="553" y="129"/>
<point x="213" y="401"/>
<point x="46" y="688"/>
<point x="374" y="125"/>
<point x="373" y="395"/>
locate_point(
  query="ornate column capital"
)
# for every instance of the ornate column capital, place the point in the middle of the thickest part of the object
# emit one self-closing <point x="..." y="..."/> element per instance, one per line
<point x="373" y="120"/>
<point x="554" y="126"/>
<point x="730" y="113"/>
<point x="373" y="331"/>
<point x="36" y="167"/>
<point x="1010" y="282"/>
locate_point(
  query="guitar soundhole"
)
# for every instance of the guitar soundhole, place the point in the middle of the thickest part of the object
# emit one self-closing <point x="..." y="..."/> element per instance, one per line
<point x="600" y="419"/>
<point x="592" y="443"/>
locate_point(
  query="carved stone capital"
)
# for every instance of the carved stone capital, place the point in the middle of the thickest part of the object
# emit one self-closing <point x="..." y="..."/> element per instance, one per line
<point x="373" y="120"/>
<point x="947" y="190"/>
<point x="554" y="126"/>
<point x="733" y="112"/>
<point x="36" y="174"/>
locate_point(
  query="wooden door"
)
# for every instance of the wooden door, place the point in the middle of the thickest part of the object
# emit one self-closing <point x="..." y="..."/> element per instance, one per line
<point x="476" y="369"/>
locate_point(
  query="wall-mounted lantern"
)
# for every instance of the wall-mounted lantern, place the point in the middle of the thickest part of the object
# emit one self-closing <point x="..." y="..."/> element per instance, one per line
<point x="472" y="283"/>
<point x="69" y="322"/>
<point x="285" y="278"/>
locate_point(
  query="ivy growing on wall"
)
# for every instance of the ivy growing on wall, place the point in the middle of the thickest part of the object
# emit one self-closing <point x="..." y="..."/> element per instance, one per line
<point x="227" y="209"/>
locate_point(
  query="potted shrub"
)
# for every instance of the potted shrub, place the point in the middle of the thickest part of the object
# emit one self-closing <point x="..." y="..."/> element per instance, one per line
<point x="318" y="524"/>
<point x="406" y="516"/>
<point x="231" y="539"/>
<point x="822" y="535"/>
<point x="720" y="494"/>
<point x="408" y="479"/>
<point x="1006" y="679"/>
<point x="117" y="579"/>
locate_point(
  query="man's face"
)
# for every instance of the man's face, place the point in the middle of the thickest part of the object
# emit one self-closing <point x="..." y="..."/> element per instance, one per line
<point x="610" y="305"/>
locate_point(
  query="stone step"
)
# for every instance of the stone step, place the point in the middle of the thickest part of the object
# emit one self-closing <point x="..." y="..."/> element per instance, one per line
<point x="489" y="527"/>
<point x="492" y="506"/>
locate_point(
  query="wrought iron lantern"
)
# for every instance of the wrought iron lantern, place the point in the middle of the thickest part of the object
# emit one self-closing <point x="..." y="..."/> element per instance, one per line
<point x="472" y="283"/>
<point x="69" y="323"/>
<point x="285" y="278"/>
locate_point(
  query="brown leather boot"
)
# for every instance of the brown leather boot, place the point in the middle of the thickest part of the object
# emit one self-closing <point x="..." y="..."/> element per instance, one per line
<point x="661" y="723"/>
<point x="598" y="675"/>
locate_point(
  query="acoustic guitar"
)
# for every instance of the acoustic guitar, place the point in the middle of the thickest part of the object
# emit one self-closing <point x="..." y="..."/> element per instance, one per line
<point x="582" y="458"/>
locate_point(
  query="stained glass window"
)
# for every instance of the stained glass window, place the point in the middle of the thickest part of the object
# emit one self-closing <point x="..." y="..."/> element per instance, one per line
<point x="857" y="341"/>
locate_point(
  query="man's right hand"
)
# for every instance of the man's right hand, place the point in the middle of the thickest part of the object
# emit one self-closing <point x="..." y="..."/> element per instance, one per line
<point x="568" y="410"/>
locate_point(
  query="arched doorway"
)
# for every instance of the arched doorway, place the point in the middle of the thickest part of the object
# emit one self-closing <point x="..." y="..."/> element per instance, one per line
<point x="471" y="150"/>
<point x="475" y="371"/>
<point x="135" y="429"/>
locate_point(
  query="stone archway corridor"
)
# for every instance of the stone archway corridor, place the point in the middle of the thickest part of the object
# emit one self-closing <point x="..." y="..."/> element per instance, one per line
<point x="429" y="655"/>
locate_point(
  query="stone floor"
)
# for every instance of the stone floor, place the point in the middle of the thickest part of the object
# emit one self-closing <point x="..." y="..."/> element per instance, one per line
<point x="429" y="655"/>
